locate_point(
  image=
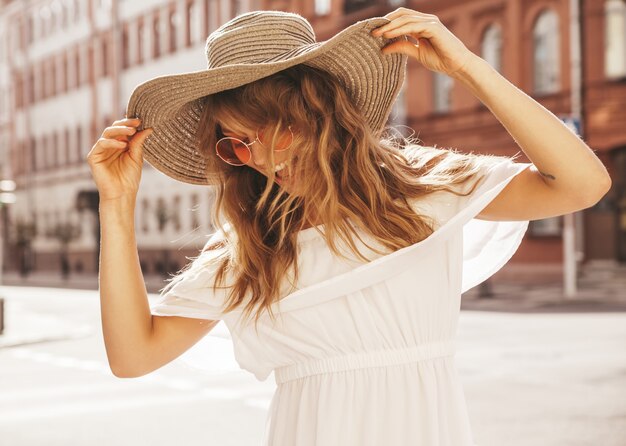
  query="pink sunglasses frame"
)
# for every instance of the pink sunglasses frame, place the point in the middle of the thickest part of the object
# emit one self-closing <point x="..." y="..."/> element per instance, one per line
<point x="248" y="146"/>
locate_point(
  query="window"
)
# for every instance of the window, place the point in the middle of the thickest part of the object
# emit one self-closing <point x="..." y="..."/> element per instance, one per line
<point x="47" y="146"/>
<point x="615" y="38"/>
<point x="57" y="14"/>
<point x="30" y="96"/>
<point x="44" y="79"/>
<point x="53" y="76"/>
<point x="39" y="81"/>
<point x="19" y="90"/>
<point x="33" y="153"/>
<point x="212" y="196"/>
<point x="20" y="157"/>
<point x="189" y="17"/>
<point x="145" y="214"/>
<point x="37" y="154"/>
<point x="43" y="153"/>
<point x="238" y="6"/>
<point x="30" y="32"/>
<point x="125" y="48"/>
<point x="173" y="23"/>
<point x="442" y="92"/>
<point x="90" y="60"/>
<point x="397" y="116"/>
<point x="193" y="23"/>
<point x="55" y="149"/>
<point x="491" y="46"/>
<point x="141" y="41"/>
<point x="77" y="68"/>
<point x="105" y="4"/>
<point x="69" y="63"/>
<point x="63" y="73"/>
<point x="64" y="14"/>
<point x="63" y="153"/>
<point x="79" y="142"/>
<point x="45" y="150"/>
<point x="161" y="213"/>
<point x="46" y="222"/>
<point x="226" y="9"/>
<point x="44" y="21"/>
<point x="210" y="16"/>
<point x="106" y="121"/>
<point x="545" y="227"/>
<point x="176" y="213"/>
<point x="156" y="41"/>
<point x="195" y="221"/>
<point x="68" y="147"/>
<point x="546" y="53"/>
<point x="322" y="7"/>
<point x="77" y="9"/>
<point x="354" y="5"/>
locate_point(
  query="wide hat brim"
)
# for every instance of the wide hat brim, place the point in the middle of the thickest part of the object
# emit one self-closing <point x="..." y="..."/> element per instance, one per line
<point x="172" y="105"/>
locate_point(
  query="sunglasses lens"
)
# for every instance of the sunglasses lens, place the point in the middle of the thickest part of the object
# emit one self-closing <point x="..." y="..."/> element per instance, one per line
<point x="233" y="151"/>
<point x="283" y="139"/>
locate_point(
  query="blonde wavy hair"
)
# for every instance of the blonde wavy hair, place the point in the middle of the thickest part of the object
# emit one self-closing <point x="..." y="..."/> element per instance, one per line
<point x="351" y="176"/>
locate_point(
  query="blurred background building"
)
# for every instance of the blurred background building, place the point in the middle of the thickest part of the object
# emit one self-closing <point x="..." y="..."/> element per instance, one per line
<point x="67" y="68"/>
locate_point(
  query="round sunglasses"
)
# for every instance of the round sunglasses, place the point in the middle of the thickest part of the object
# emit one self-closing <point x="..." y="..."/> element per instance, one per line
<point x="237" y="152"/>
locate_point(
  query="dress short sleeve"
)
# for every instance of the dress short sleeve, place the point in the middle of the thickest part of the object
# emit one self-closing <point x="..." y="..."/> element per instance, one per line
<point x="487" y="245"/>
<point x="192" y="293"/>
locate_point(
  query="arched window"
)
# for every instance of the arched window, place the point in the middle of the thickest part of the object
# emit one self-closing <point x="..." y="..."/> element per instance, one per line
<point x="192" y="22"/>
<point x="57" y="15"/>
<point x="398" y="111"/>
<point x="156" y="37"/>
<point x="491" y="46"/>
<point x="212" y="197"/>
<point x="64" y="15"/>
<point x="322" y="7"/>
<point x="44" y="21"/>
<point x="195" y="204"/>
<point x="145" y="215"/>
<point x="615" y="38"/>
<point x="175" y="213"/>
<point x="143" y="42"/>
<point x="546" y="53"/>
<point x="442" y="89"/>
<point x="174" y="23"/>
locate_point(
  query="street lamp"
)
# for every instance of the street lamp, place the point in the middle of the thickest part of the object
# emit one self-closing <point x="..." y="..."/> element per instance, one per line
<point x="6" y="197"/>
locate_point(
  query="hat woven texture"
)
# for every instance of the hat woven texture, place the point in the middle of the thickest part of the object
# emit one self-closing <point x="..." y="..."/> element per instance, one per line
<point x="249" y="47"/>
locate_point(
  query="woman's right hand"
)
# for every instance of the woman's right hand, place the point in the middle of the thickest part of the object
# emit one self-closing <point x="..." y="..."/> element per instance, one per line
<point x="116" y="160"/>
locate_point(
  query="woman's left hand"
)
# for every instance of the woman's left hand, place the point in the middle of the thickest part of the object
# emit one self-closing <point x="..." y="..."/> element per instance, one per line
<point x="437" y="48"/>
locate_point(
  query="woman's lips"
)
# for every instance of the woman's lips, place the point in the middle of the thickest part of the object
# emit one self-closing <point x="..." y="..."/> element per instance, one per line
<point x="280" y="179"/>
<point x="283" y="174"/>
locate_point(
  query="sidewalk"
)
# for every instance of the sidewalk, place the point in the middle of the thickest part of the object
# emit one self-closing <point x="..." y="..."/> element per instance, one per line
<point x="24" y="326"/>
<point x="600" y="284"/>
<point x="75" y="281"/>
<point x="601" y="288"/>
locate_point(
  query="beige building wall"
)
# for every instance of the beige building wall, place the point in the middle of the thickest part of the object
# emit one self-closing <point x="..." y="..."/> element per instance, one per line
<point x="67" y="73"/>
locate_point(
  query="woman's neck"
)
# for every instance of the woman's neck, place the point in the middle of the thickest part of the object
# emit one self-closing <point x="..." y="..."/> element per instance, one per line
<point x="311" y="222"/>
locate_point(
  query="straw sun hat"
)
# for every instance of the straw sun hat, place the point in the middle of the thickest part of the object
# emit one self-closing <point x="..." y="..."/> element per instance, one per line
<point x="251" y="46"/>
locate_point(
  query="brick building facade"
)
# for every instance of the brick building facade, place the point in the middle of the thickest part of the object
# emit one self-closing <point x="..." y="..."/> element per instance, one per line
<point x="67" y="68"/>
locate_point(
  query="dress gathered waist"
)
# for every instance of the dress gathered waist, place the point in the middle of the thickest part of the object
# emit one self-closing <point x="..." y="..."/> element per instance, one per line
<point x="377" y="358"/>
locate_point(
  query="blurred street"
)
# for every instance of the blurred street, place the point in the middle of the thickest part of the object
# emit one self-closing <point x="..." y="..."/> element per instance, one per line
<point x="536" y="370"/>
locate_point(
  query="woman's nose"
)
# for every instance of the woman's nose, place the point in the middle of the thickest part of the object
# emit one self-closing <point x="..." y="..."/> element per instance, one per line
<point x="259" y="157"/>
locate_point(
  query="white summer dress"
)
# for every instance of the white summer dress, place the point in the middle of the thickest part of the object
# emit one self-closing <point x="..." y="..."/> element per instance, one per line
<point x="363" y="352"/>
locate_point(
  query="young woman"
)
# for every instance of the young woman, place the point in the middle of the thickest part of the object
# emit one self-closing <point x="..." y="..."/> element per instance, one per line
<point x="341" y="253"/>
